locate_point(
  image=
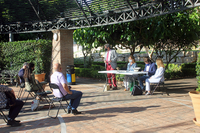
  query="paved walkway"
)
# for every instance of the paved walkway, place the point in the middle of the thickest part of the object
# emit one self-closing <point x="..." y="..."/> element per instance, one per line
<point x="116" y="112"/>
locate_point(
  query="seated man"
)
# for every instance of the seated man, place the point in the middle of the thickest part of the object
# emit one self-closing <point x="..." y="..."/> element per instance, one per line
<point x="21" y="74"/>
<point x="59" y="79"/>
<point x="14" y="108"/>
<point x="150" y="67"/>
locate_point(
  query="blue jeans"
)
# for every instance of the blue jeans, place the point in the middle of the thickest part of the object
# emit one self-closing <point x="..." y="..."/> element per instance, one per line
<point x="75" y="99"/>
<point x="141" y="79"/>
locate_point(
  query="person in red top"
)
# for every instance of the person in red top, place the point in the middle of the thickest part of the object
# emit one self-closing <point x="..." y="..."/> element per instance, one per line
<point x="110" y="60"/>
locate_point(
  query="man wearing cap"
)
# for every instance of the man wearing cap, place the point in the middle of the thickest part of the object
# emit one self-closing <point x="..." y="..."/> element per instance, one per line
<point x="21" y="74"/>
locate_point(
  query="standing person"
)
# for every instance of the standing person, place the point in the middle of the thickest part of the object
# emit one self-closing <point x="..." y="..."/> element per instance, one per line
<point x="159" y="75"/>
<point x="150" y="67"/>
<point x="14" y="107"/>
<point x="130" y="67"/>
<point x="75" y="96"/>
<point x="21" y="74"/>
<point x="110" y="60"/>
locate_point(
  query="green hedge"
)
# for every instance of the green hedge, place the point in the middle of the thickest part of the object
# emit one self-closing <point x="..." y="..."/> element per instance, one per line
<point x="198" y="72"/>
<point x="174" y="71"/>
<point x="36" y="51"/>
<point x="83" y="72"/>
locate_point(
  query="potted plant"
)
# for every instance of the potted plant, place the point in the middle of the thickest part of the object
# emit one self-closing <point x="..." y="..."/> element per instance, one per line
<point x="195" y="95"/>
<point x="39" y="73"/>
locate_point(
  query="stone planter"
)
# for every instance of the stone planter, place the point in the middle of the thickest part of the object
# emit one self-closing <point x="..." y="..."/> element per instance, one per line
<point x="40" y="77"/>
<point x="195" y="96"/>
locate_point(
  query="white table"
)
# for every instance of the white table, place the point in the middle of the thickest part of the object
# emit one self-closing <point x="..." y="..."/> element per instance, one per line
<point x="125" y="72"/>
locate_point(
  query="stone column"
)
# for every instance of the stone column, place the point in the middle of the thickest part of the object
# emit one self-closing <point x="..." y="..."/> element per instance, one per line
<point x="62" y="48"/>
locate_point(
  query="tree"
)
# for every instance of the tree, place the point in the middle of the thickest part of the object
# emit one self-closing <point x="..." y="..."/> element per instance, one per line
<point x="180" y="32"/>
<point x="85" y="38"/>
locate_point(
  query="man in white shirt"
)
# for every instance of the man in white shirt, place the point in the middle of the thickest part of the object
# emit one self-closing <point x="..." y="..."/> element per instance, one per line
<point x="59" y="79"/>
<point x="110" y="60"/>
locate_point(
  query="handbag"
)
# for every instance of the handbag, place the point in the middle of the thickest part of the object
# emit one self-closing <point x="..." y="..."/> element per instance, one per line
<point x="10" y="98"/>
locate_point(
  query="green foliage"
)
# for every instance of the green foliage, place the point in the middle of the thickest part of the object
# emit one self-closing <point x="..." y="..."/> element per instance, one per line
<point x="198" y="72"/>
<point x="173" y="67"/>
<point x="38" y="52"/>
<point x="173" y="74"/>
<point x="78" y="61"/>
<point x="188" y="69"/>
<point x="173" y="71"/>
<point x="83" y="72"/>
<point x="11" y="10"/>
<point x="184" y="70"/>
<point x="120" y="77"/>
<point x="181" y="32"/>
<point x="98" y="67"/>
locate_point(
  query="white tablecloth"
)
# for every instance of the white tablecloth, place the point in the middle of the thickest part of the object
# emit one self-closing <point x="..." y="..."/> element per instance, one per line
<point x="122" y="72"/>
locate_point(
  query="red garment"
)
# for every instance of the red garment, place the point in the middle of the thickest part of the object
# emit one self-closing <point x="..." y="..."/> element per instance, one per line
<point x="108" y="67"/>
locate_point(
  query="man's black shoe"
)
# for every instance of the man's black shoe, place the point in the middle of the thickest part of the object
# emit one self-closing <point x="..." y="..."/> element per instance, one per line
<point x="114" y="88"/>
<point x="13" y="123"/>
<point x="75" y="112"/>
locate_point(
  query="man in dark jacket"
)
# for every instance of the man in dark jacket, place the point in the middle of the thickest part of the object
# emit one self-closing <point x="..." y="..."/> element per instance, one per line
<point x="150" y="67"/>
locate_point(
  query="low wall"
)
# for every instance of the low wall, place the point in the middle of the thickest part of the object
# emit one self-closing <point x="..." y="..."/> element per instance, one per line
<point x="183" y="57"/>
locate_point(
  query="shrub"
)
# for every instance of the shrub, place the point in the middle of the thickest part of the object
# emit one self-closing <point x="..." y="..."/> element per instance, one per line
<point x="188" y="69"/>
<point x="120" y="77"/>
<point x="188" y="72"/>
<point x="83" y="72"/>
<point x="98" y="67"/>
<point x="174" y="67"/>
<point x="188" y="65"/>
<point x="38" y="52"/>
<point x="198" y="72"/>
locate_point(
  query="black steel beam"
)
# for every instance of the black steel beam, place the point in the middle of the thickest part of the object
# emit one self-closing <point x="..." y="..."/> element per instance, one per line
<point x="118" y="16"/>
<point x="82" y="11"/>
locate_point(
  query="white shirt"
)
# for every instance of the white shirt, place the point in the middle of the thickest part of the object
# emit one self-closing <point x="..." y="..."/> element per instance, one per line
<point x="147" y="68"/>
<point x="108" y="54"/>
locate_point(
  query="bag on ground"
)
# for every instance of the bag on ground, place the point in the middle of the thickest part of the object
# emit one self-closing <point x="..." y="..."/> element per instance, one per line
<point x="136" y="90"/>
<point x="35" y="104"/>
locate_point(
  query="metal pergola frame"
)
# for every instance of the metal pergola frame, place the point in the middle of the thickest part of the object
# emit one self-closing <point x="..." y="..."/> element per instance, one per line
<point x="134" y="10"/>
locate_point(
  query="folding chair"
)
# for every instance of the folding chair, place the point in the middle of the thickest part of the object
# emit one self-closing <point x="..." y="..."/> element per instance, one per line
<point x="56" y="99"/>
<point x="157" y="85"/>
<point x="3" y="115"/>
<point x="22" y="86"/>
<point x="42" y="94"/>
